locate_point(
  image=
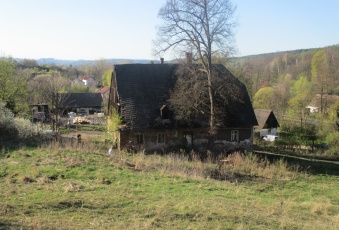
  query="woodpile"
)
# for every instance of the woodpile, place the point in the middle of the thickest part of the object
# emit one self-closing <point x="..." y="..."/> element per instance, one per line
<point x="81" y="120"/>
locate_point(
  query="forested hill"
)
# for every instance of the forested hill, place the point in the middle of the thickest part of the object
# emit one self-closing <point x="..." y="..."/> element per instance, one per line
<point x="53" y="61"/>
<point x="281" y="73"/>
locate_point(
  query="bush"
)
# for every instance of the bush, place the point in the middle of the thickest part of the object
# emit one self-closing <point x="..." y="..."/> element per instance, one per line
<point x="14" y="127"/>
<point x="332" y="140"/>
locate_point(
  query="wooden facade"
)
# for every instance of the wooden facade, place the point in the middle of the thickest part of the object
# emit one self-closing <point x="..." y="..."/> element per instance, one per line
<point x="139" y="93"/>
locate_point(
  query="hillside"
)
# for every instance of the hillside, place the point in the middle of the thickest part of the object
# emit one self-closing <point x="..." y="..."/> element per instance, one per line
<point x="85" y="188"/>
<point x="53" y="61"/>
<point x="282" y="70"/>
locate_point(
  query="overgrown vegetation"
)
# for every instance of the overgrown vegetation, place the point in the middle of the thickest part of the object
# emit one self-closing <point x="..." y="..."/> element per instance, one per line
<point x="288" y="82"/>
<point x="77" y="186"/>
<point x="12" y="127"/>
<point x="113" y="124"/>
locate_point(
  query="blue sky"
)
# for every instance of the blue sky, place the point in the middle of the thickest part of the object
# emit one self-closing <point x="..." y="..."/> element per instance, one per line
<point x="83" y="29"/>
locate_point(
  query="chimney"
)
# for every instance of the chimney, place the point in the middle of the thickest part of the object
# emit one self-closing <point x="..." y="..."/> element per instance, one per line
<point x="161" y="60"/>
<point x="189" y="59"/>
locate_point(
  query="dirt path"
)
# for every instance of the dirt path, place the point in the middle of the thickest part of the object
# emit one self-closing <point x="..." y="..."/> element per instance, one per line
<point x="314" y="165"/>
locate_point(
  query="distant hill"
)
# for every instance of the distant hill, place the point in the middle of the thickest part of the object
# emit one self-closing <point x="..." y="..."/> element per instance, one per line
<point x="49" y="61"/>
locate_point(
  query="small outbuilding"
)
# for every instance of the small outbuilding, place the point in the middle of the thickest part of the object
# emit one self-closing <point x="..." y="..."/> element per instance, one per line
<point x="83" y="103"/>
<point x="268" y="123"/>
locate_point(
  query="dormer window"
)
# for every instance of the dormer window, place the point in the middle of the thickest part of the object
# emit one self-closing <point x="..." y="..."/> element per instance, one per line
<point x="164" y="112"/>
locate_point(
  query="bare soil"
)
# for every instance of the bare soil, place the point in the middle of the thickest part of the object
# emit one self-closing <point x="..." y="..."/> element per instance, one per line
<point x="84" y="134"/>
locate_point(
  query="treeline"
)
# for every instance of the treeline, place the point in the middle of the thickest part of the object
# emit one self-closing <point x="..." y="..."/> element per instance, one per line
<point x="25" y="82"/>
<point x="301" y="87"/>
<point x="288" y="81"/>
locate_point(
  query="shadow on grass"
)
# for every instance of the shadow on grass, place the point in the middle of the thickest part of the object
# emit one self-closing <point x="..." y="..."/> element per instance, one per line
<point x="232" y="177"/>
<point x="6" y="225"/>
<point x="12" y="145"/>
<point x="313" y="166"/>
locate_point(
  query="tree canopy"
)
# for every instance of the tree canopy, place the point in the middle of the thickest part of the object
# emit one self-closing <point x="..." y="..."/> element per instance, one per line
<point x="263" y="99"/>
<point x="201" y="28"/>
<point x="13" y="88"/>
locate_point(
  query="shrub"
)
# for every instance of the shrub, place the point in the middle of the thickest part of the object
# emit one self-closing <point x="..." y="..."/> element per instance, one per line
<point x="113" y="123"/>
<point x="332" y="140"/>
<point x="7" y="127"/>
<point x="14" y="127"/>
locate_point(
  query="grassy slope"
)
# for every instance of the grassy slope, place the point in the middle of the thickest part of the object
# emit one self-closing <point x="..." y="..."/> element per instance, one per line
<point x="51" y="188"/>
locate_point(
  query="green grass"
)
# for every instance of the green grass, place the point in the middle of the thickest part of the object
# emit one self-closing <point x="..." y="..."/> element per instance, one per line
<point x="51" y="188"/>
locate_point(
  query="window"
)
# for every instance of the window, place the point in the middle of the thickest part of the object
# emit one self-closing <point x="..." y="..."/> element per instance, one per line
<point x="234" y="135"/>
<point x="188" y="137"/>
<point x="164" y="112"/>
<point x="140" y="138"/>
<point x="161" y="138"/>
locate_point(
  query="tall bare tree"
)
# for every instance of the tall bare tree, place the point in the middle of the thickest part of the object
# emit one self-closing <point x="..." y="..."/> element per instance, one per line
<point x="201" y="27"/>
<point x="52" y="89"/>
<point x="190" y="99"/>
<point x="320" y="76"/>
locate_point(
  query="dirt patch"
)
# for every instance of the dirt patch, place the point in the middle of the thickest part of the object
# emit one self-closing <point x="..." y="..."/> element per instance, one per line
<point x="84" y="134"/>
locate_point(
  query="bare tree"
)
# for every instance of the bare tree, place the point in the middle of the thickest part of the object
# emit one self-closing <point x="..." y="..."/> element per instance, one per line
<point x="201" y="27"/>
<point x="51" y="89"/>
<point x="97" y="68"/>
<point x="190" y="96"/>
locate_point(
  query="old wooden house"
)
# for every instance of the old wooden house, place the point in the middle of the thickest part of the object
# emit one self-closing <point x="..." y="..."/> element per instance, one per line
<point x="140" y="93"/>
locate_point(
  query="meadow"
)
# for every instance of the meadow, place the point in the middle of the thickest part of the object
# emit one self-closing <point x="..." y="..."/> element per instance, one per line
<point x="82" y="187"/>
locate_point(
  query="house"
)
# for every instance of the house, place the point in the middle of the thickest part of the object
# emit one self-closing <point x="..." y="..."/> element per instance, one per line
<point x="77" y="82"/>
<point x="323" y="102"/>
<point x="83" y="103"/>
<point x="313" y="109"/>
<point x="104" y="91"/>
<point x="104" y="94"/>
<point x="88" y="81"/>
<point x="268" y="123"/>
<point x="140" y="93"/>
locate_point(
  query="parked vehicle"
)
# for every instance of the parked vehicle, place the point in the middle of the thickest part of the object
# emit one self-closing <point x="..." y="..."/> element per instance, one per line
<point x="270" y="137"/>
<point x="40" y="112"/>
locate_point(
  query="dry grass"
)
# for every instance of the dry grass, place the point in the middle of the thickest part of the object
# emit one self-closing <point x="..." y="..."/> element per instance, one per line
<point x="235" y="166"/>
<point x="59" y="187"/>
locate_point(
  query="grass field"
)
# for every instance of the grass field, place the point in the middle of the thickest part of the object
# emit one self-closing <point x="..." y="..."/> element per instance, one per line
<point x="85" y="188"/>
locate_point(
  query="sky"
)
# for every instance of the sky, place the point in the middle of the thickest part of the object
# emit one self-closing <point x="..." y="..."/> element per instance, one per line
<point x="103" y="29"/>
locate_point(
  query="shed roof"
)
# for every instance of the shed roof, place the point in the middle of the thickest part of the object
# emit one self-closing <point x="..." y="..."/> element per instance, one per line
<point x="84" y="100"/>
<point x="266" y="119"/>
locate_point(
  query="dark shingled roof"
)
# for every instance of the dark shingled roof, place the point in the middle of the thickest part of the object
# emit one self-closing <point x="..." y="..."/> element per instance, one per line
<point x="266" y="119"/>
<point x="144" y="88"/>
<point x="83" y="100"/>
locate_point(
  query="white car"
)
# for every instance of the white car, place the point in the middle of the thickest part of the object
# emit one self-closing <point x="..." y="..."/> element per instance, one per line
<point x="270" y="137"/>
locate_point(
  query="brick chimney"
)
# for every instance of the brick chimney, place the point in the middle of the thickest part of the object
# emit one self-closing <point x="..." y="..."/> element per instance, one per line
<point x="189" y="59"/>
<point x="161" y="60"/>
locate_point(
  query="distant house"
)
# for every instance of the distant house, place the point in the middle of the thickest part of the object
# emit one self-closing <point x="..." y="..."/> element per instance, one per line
<point x="83" y="103"/>
<point x="322" y="103"/>
<point x="139" y="92"/>
<point x="268" y="123"/>
<point x="78" y="82"/>
<point x="105" y="94"/>
<point x="88" y="80"/>
<point x="104" y="91"/>
<point x="313" y="109"/>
